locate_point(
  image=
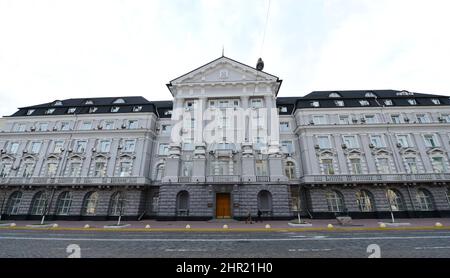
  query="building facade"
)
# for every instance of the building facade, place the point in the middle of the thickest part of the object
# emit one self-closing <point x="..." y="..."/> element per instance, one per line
<point x="227" y="146"/>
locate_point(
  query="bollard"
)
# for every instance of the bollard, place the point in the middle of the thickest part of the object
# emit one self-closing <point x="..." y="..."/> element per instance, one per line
<point x="188" y="226"/>
<point x="12" y="225"/>
<point x="147" y="226"/>
<point x="225" y="226"/>
<point x="438" y="224"/>
<point x="55" y="225"/>
<point x="382" y="225"/>
<point x="268" y="226"/>
<point x="86" y="226"/>
<point x="330" y="226"/>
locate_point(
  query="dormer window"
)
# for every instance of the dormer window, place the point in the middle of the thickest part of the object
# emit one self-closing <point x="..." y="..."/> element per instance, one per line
<point x="137" y="108"/>
<point x="388" y="102"/>
<point x="57" y="103"/>
<point x="30" y="111"/>
<point x="71" y="110"/>
<point x="370" y="94"/>
<point x="283" y="109"/>
<point x="315" y="104"/>
<point x="339" y="103"/>
<point x="436" y="101"/>
<point x="50" y="111"/>
<point x="89" y="102"/>
<point x="412" y="101"/>
<point x="364" y="103"/>
<point x="119" y="101"/>
<point x="115" y="109"/>
<point x="168" y="112"/>
<point x="93" y="109"/>
<point x="334" y="95"/>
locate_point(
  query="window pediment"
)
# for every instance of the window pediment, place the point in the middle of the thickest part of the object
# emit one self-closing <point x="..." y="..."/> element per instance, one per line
<point x="408" y="151"/>
<point x="436" y="150"/>
<point x="325" y="153"/>
<point x="380" y="152"/>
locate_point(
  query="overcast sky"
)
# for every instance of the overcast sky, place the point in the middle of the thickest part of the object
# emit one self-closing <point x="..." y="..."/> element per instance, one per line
<point x="67" y="49"/>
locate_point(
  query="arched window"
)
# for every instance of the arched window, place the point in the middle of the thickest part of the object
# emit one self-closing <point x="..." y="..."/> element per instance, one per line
<point x="64" y="203"/>
<point x="183" y="203"/>
<point x="159" y="171"/>
<point x="370" y="94"/>
<point x="424" y="199"/>
<point x="39" y="204"/>
<point x="13" y="205"/>
<point x="90" y="203"/>
<point x="117" y="204"/>
<point x="395" y="200"/>
<point x="289" y="170"/>
<point x="365" y="201"/>
<point x="119" y="101"/>
<point x="265" y="201"/>
<point x="335" y="201"/>
<point x="334" y="95"/>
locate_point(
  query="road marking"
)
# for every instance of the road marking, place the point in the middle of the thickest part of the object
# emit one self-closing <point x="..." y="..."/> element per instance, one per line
<point x="310" y="250"/>
<point x="432" y="247"/>
<point x="220" y="240"/>
<point x="186" y="250"/>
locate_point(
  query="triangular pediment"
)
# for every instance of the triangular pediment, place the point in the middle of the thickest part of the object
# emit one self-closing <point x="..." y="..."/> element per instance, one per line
<point x="224" y="69"/>
<point x="436" y="150"/>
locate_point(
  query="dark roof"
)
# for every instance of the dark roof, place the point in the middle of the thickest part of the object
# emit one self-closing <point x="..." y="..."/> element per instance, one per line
<point x="288" y="102"/>
<point x="162" y="108"/>
<point x="352" y="98"/>
<point x="83" y="106"/>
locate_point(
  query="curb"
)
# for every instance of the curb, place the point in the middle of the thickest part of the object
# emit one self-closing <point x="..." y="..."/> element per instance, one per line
<point x="335" y="229"/>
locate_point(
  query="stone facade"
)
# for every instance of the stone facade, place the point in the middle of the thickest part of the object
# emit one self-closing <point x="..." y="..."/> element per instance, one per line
<point x="227" y="146"/>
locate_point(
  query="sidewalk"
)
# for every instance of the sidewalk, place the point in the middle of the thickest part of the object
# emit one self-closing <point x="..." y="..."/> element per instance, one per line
<point x="233" y="225"/>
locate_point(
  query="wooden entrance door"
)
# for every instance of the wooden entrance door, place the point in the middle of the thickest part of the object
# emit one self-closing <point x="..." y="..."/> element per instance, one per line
<point x="223" y="208"/>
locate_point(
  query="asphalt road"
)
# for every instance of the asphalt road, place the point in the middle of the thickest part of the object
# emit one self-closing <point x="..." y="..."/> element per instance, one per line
<point x="388" y="244"/>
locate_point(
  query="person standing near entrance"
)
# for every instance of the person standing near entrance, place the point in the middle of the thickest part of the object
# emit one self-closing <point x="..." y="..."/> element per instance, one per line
<point x="258" y="219"/>
<point x="249" y="218"/>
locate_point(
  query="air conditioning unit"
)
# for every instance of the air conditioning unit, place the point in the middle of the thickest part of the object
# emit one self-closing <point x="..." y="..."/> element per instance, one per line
<point x="123" y="126"/>
<point x="3" y="151"/>
<point x="32" y="128"/>
<point x="24" y="151"/>
<point x="399" y="145"/>
<point x="120" y="147"/>
<point x="371" y="146"/>
<point x="344" y="146"/>
<point x="55" y="129"/>
<point x="94" y="150"/>
<point x="316" y="146"/>
<point x="407" y="120"/>
<point x="99" y="127"/>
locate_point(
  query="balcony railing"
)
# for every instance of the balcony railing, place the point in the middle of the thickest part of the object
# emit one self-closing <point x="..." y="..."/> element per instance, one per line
<point x="388" y="178"/>
<point x="223" y="178"/>
<point x="262" y="178"/>
<point x="184" y="179"/>
<point x="75" y="180"/>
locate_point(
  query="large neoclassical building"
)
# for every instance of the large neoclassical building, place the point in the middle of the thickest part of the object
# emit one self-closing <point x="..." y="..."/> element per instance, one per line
<point x="226" y="146"/>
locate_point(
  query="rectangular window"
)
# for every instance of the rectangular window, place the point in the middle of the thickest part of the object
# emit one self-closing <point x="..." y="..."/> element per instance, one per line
<point x="64" y="126"/>
<point x="351" y="142"/>
<point x="438" y="164"/>
<point x="19" y="127"/>
<point x="436" y="101"/>
<point x="261" y="167"/>
<point x="314" y="104"/>
<point x="356" y="166"/>
<point x="377" y="141"/>
<point x="423" y="119"/>
<point x="100" y="169"/>
<point x="71" y="110"/>
<point x="256" y="103"/>
<point x="80" y="146"/>
<point x="75" y="169"/>
<point x="327" y="166"/>
<point x="105" y="146"/>
<point x="287" y="147"/>
<point x="411" y="165"/>
<point x="28" y="172"/>
<point x="186" y="170"/>
<point x="371" y="119"/>
<point x="35" y="147"/>
<point x="259" y="143"/>
<point x="430" y="141"/>
<point x="284" y="127"/>
<point x="163" y="149"/>
<point x="344" y="119"/>
<point x="108" y="125"/>
<point x="129" y="145"/>
<point x="396" y="119"/>
<point x="283" y="109"/>
<point x="383" y="165"/>
<point x="324" y="142"/>
<point x="188" y="145"/>
<point x="125" y="169"/>
<point x="339" y="103"/>
<point x="403" y="140"/>
<point x="86" y="126"/>
<point x="364" y="103"/>
<point x="388" y="102"/>
<point x="132" y="124"/>
<point x="14" y="147"/>
<point x="115" y="109"/>
<point x="319" y="120"/>
<point x="5" y="170"/>
<point x="43" y="127"/>
<point x="51" y="169"/>
<point x="59" y="145"/>
<point x="412" y="101"/>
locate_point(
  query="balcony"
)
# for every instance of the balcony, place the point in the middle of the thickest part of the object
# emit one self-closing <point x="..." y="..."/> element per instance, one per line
<point x="184" y="179"/>
<point x="223" y="178"/>
<point x="76" y="180"/>
<point x="375" y="178"/>
<point x="262" y="178"/>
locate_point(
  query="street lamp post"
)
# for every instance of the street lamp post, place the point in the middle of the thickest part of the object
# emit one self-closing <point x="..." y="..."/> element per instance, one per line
<point x="3" y="204"/>
<point x="120" y="210"/>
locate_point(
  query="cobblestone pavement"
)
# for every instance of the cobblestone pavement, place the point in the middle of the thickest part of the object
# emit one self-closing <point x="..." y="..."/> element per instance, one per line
<point x="50" y="244"/>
